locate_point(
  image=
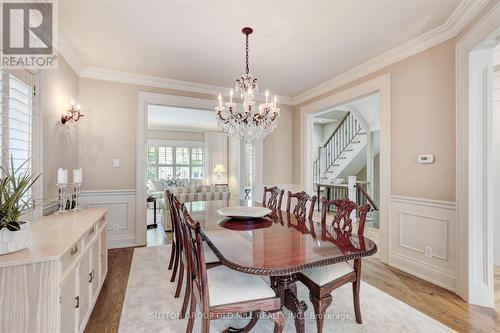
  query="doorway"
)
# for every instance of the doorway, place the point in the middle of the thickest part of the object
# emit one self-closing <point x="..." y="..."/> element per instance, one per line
<point x="380" y="87"/>
<point x="478" y="161"/>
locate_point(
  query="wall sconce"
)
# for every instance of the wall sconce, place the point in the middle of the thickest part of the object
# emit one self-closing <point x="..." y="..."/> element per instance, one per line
<point x="73" y="114"/>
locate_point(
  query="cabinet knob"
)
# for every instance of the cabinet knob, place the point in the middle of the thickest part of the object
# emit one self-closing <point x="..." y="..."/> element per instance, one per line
<point x="77" y="302"/>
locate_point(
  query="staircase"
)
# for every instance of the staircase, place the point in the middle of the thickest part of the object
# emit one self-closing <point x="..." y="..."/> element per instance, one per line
<point x="343" y="155"/>
<point x="343" y="147"/>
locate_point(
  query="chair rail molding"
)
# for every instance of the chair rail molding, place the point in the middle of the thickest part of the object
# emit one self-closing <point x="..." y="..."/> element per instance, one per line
<point x="423" y="239"/>
<point x="121" y="217"/>
<point x="382" y="85"/>
<point x="473" y="276"/>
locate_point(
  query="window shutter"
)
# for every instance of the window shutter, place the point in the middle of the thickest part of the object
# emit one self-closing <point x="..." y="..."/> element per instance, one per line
<point x="16" y="119"/>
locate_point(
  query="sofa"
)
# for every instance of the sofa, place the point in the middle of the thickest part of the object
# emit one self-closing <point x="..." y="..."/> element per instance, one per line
<point x="193" y="193"/>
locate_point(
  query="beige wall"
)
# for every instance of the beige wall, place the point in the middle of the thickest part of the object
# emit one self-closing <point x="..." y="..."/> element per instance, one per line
<point x="423" y="121"/>
<point x="60" y="143"/>
<point x="108" y="131"/>
<point x="159" y="134"/>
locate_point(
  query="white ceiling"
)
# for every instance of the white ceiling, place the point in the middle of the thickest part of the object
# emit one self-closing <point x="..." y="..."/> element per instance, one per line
<point x="295" y="46"/>
<point x="168" y="117"/>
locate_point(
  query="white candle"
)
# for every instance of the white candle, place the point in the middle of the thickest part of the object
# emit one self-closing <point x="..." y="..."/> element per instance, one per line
<point x="77" y="176"/>
<point x="62" y="176"/>
<point x="220" y="100"/>
<point x="267" y="95"/>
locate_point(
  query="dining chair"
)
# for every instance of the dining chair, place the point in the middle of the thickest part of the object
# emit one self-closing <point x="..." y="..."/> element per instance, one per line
<point x="275" y="198"/>
<point x="175" y="253"/>
<point x="211" y="259"/>
<point x="221" y="290"/>
<point x="321" y="281"/>
<point x="300" y="208"/>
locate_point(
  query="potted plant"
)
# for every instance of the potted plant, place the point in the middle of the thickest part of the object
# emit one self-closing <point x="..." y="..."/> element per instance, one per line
<point x="15" y="185"/>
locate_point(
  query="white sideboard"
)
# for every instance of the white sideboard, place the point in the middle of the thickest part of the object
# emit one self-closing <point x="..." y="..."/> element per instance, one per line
<point x="52" y="285"/>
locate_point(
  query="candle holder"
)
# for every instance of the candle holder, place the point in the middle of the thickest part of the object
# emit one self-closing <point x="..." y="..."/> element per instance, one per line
<point x="76" y="196"/>
<point x="61" y="199"/>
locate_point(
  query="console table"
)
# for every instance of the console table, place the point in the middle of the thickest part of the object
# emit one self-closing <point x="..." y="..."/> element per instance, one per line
<point x="52" y="285"/>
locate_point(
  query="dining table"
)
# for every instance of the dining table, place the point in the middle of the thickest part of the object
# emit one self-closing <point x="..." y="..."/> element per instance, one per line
<point x="278" y="245"/>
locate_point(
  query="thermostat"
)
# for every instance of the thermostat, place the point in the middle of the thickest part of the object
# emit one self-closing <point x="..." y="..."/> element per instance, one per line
<point x="425" y="159"/>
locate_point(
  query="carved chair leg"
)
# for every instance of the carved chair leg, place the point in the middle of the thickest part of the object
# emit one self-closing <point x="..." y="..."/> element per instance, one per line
<point x="179" y="280"/>
<point x="192" y="314"/>
<point x="355" y="291"/>
<point x="205" y="325"/>
<point x="172" y="255"/>
<point x="248" y="327"/>
<point x="176" y="263"/>
<point x="320" y="305"/>
<point x="279" y="320"/>
<point x="187" y="293"/>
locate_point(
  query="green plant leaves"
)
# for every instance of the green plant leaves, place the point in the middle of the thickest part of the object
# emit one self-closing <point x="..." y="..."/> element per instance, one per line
<point x="15" y="185"/>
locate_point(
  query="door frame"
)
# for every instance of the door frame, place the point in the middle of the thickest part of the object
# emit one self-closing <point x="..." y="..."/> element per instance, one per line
<point x="144" y="99"/>
<point x="382" y="85"/>
<point x="467" y="274"/>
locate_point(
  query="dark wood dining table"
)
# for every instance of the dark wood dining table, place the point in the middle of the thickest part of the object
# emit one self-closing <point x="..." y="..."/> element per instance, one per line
<point x="279" y="246"/>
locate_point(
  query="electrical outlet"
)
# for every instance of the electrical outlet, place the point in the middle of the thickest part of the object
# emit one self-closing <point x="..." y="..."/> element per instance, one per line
<point x="115" y="227"/>
<point x="428" y="251"/>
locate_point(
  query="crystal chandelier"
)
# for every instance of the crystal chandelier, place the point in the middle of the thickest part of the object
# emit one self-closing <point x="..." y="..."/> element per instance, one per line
<point x="250" y="122"/>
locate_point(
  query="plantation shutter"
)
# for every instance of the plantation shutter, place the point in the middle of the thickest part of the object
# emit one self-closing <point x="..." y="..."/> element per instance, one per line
<point x="16" y="121"/>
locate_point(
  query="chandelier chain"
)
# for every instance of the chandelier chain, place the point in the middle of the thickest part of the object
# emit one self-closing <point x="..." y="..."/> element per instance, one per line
<point x="248" y="67"/>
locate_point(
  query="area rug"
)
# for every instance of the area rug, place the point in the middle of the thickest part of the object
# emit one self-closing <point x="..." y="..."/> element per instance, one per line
<point x="150" y="306"/>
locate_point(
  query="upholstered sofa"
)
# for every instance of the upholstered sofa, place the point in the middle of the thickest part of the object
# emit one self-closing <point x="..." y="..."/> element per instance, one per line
<point x="194" y="193"/>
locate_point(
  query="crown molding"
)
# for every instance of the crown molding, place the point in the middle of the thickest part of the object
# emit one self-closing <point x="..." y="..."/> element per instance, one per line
<point x="461" y="16"/>
<point x="161" y="82"/>
<point x="70" y="54"/>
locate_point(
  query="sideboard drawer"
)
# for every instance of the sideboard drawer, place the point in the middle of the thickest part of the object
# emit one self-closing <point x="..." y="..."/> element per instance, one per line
<point x="70" y="256"/>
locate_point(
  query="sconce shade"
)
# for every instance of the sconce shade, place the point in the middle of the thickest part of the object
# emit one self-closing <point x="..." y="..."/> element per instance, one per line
<point x="219" y="168"/>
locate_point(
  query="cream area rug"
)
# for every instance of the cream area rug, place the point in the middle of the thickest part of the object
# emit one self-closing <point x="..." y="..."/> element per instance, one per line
<point x="150" y="306"/>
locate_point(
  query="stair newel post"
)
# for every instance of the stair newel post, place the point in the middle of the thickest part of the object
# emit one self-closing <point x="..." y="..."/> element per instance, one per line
<point x="351" y="185"/>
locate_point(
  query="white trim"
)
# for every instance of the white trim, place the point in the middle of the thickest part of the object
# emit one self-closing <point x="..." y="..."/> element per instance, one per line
<point x="161" y="82"/>
<point x="424" y="202"/>
<point x="107" y="192"/>
<point x="460" y="17"/>
<point x="381" y="84"/>
<point x="477" y="34"/>
<point x="37" y="141"/>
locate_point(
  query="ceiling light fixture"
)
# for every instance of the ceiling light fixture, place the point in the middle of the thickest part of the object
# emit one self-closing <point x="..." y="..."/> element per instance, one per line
<point x="250" y="123"/>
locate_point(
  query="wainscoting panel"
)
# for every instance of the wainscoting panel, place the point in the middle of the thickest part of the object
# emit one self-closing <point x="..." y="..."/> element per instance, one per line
<point x="423" y="236"/>
<point x="121" y="214"/>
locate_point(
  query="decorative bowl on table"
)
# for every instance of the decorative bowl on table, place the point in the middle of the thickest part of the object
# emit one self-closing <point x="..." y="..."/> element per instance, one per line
<point x="243" y="212"/>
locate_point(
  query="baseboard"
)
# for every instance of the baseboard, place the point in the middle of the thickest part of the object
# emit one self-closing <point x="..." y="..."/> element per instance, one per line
<point x="120" y="242"/>
<point x="424" y="271"/>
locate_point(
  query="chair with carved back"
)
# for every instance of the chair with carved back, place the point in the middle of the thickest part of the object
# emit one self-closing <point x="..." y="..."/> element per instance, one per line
<point x="176" y="238"/>
<point x="211" y="258"/>
<point x="275" y="197"/>
<point x="321" y="281"/>
<point x="221" y="290"/>
<point x="300" y="208"/>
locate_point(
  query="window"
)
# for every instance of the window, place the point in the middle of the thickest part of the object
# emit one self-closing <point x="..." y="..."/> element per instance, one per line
<point x="16" y="122"/>
<point x="174" y="161"/>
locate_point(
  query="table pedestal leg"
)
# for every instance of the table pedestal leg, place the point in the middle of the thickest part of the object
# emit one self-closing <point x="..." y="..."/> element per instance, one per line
<point x="286" y="290"/>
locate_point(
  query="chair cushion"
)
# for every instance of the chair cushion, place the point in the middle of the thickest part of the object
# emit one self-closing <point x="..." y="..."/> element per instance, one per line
<point x="325" y="274"/>
<point x="226" y="286"/>
<point x="210" y="256"/>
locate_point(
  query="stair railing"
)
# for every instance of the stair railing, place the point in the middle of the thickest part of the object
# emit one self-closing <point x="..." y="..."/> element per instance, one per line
<point x="341" y="138"/>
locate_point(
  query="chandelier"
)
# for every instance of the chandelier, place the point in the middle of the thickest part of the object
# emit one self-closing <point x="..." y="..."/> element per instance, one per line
<point x="249" y="122"/>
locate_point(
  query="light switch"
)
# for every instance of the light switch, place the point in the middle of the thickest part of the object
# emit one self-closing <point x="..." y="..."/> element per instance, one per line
<point x="116" y="163"/>
<point x="425" y="159"/>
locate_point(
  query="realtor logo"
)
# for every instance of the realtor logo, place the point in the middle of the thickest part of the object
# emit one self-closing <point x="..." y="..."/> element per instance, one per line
<point x="28" y="34"/>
